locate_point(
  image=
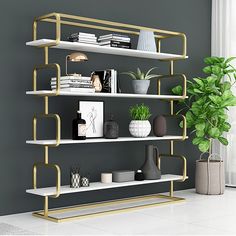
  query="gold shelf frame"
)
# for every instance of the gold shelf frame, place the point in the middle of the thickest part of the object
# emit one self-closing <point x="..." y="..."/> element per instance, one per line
<point x="78" y="21"/>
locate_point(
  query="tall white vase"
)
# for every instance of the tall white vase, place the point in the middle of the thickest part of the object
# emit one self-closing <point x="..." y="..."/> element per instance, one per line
<point x="146" y="41"/>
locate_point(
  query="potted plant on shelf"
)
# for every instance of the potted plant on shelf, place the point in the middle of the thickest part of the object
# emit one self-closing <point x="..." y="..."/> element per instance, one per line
<point x="141" y="80"/>
<point x="140" y="126"/>
<point x="206" y="113"/>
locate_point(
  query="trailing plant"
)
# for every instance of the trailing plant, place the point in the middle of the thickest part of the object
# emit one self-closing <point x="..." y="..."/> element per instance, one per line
<point x="140" y="112"/>
<point x="139" y="75"/>
<point x="209" y="99"/>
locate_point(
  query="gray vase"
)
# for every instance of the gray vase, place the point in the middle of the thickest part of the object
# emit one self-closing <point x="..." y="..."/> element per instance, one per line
<point x="140" y="86"/>
<point x="149" y="167"/>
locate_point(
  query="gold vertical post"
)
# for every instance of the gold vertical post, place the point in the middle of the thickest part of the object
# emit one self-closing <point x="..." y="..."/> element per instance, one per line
<point x="171" y="188"/>
<point x="171" y="67"/>
<point x="171" y="107"/>
<point x="46" y="154"/>
<point x="158" y="86"/>
<point x="46" y="105"/>
<point x="46" y="206"/>
<point x="159" y="45"/>
<point x="46" y="55"/>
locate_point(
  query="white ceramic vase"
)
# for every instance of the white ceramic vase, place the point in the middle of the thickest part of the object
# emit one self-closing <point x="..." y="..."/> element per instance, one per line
<point x="139" y="128"/>
<point x="146" y="41"/>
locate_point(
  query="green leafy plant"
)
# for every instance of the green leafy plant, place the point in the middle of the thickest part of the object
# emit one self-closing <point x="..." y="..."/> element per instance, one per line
<point x="140" y="112"/>
<point x="139" y="75"/>
<point x="209" y="99"/>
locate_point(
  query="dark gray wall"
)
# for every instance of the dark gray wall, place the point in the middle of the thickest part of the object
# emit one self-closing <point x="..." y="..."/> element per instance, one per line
<point x="16" y="158"/>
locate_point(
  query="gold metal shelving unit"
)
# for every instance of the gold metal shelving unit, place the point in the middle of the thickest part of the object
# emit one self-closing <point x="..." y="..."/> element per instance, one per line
<point x="58" y="20"/>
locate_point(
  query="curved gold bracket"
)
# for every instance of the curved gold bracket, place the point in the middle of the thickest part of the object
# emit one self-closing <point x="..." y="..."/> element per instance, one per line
<point x="58" y="75"/>
<point x="58" y="28"/>
<point x="181" y="76"/>
<point x="184" y="134"/>
<point x="175" y="156"/>
<point x="58" y="175"/>
<point x="58" y="127"/>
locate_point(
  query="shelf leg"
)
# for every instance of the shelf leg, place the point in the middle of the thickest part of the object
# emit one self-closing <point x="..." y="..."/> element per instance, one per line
<point x="171" y="107"/>
<point x="46" y="55"/>
<point x="171" y="188"/>
<point x="46" y="206"/>
<point x="171" y="67"/>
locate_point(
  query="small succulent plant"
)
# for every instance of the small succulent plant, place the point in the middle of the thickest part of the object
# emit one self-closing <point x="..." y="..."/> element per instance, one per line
<point x="139" y="75"/>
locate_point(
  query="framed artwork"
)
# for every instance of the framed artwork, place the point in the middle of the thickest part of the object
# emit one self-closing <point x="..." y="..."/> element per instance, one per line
<point x="93" y="113"/>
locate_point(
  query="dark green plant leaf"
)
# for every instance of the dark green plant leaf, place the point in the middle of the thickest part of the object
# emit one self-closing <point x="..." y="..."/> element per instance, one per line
<point x="207" y="70"/>
<point x="223" y="140"/>
<point x="230" y="59"/>
<point x="178" y="90"/>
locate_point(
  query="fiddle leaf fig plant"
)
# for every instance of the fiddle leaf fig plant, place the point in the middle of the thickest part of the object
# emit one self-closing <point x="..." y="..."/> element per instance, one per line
<point x="139" y="75"/>
<point x="209" y="99"/>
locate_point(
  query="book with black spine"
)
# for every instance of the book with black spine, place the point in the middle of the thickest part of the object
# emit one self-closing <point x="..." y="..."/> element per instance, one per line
<point x="107" y="42"/>
<point x="116" y="46"/>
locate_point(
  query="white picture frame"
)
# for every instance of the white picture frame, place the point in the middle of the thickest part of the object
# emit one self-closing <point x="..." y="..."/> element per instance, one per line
<point x="93" y="113"/>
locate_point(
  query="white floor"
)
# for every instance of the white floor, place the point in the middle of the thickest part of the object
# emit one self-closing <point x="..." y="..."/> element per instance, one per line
<point x="199" y="215"/>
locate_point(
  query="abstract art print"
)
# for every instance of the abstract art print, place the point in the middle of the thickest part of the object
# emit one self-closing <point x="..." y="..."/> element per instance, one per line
<point x="93" y="113"/>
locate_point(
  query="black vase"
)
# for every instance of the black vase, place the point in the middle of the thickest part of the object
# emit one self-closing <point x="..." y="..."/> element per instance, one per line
<point x="111" y="129"/>
<point x="159" y="126"/>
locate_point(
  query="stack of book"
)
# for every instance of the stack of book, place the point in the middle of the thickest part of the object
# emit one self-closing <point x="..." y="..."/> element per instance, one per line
<point x="83" y="38"/>
<point x="115" y="40"/>
<point x="108" y="79"/>
<point x="72" y="83"/>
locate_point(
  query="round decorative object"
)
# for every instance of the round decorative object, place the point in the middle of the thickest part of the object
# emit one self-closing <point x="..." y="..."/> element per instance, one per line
<point x="111" y="129"/>
<point x="159" y="126"/>
<point x="146" y="41"/>
<point x="139" y="176"/>
<point x="84" y="182"/>
<point x="140" y="128"/>
<point x="140" y="86"/>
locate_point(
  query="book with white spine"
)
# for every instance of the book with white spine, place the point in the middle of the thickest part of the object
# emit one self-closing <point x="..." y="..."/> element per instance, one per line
<point x="71" y="82"/>
<point x="79" y="90"/>
<point x="72" y="77"/>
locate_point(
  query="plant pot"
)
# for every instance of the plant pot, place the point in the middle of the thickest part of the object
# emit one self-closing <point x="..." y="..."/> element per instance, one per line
<point x="210" y="177"/>
<point x="140" y="86"/>
<point x="139" y="128"/>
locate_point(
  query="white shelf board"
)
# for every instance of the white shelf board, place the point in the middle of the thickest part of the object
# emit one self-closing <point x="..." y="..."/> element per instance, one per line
<point x="113" y="95"/>
<point x="104" y="140"/>
<point x="75" y="46"/>
<point x="49" y="191"/>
